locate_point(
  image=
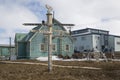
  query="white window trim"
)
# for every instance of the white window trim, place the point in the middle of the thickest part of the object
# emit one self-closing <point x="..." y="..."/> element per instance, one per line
<point x="65" y="47"/>
<point x="55" y="47"/>
<point x="44" y="47"/>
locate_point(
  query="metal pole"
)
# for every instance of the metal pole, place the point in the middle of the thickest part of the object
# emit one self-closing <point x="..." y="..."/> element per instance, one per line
<point x="69" y="29"/>
<point x="49" y="23"/>
<point x="10" y="46"/>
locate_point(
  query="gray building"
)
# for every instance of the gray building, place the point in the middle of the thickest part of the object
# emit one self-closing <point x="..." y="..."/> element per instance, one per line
<point x="95" y="40"/>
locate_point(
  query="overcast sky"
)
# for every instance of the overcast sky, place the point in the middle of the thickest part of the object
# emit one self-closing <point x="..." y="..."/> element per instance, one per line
<point x="99" y="14"/>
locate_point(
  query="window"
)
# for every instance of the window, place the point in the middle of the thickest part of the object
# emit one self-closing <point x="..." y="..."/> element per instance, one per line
<point x="54" y="47"/>
<point x="42" y="47"/>
<point x="118" y="43"/>
<point x="67" y="47"/>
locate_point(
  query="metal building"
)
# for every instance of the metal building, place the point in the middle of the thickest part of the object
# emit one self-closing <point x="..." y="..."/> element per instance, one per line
<point x="117" y="43"/>
<point x="90" y="39"/>
<point x="34" y="44"/>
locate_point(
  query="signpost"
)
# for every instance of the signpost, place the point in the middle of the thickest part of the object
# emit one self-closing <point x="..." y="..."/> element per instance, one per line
<point x="49" y="23"/>
<point x="49" y="33"/>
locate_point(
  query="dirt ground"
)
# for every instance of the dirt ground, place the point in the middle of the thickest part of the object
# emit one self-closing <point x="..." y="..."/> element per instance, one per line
<point x="109" y="71"/>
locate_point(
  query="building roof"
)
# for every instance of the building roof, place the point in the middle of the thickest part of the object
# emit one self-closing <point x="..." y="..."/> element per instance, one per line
<point x="24" y="37"/>
<point x="115" y="35"/>
<point x="7" y="45"/>
<point x="90" y="30"/>
<point x="97" y="29"/>
<point x="31" y="34"/>
<point x="20" y="36"/>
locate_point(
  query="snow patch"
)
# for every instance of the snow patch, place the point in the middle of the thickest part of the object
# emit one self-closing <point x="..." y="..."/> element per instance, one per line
<point x="46" y="58"/>
<point x="56" y="58"/>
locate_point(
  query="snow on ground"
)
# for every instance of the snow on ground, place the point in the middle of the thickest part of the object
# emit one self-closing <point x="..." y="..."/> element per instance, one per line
<point x="46" y="58"/>
<point x="55" y="58"/>
<point x="116" y="60"/>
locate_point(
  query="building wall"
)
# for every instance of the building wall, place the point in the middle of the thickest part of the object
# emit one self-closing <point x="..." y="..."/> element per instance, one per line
<point x="66" y="41"/>
<point x="83" y="43"/>
<point x="5" y="51"/>
<point x="28" y="50"/>
<point x="21" y="50"/>
<point x="111" y="42"/>
<point x="101" y="40"/>
<point x="59" y="42"/>
<point x="117" y="44"/>
<point x="96" y="42"/>
<point x="35" y="46"/>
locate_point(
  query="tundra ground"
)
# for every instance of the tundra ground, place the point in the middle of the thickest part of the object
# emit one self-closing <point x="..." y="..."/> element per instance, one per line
<point x="109" y="71"/>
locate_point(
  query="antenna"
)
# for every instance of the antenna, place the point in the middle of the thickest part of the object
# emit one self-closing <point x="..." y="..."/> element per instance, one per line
<point x="70" y="27"/>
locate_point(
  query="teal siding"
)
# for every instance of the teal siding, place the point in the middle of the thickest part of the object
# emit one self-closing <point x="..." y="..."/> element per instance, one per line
<point x="35" y="46"/>
<point x="21" y="50"/>
<point x="28" y="50"/>
<point x="5" y="51"/>
<point x="60" y="43"/>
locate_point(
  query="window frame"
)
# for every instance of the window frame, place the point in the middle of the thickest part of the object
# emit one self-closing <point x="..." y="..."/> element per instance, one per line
<point x="68" y="47"/>
<point x="41" y="47"/>
<point x="54" y="47"/>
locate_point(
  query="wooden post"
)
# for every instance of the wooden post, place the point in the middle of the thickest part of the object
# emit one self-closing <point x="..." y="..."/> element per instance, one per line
<point x="49" y="23"/>
<point x="49" y="33"/>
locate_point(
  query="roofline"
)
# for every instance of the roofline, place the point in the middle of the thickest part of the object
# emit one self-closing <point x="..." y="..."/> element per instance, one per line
<point x="91" y="29"/>
<point x="34" y="34"/>
<point x="7" y="45"/>
<point x="115" y="35"/>
<point x="97" y="29"/>
<point x="59" y="23"/>
<point x="75" y="35"/>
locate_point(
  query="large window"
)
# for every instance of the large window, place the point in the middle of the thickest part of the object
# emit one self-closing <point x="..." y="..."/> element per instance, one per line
<point x="67" y="47"/>
<point x="42" y="47"/>
<point x="118" y="43"/>
<point x="54" y="47"/>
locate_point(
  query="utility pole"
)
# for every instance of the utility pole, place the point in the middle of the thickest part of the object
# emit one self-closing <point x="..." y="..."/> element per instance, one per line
<point x="49" y="33"/>
<point x="49" y="23"/>
<point x="69" y="29"/>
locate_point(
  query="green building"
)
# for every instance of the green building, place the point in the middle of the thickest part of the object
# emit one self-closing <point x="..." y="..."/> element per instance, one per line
<point x="7" y="50"/>
<point x="35" y="44"/>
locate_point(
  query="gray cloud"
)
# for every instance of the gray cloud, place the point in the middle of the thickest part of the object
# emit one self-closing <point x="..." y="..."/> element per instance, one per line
<point x="103" y="14"/>
<point x="12" y="16"/>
